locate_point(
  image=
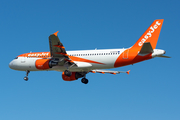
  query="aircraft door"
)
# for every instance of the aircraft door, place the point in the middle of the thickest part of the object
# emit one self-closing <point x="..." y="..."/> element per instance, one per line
<point x="125" y="54"/>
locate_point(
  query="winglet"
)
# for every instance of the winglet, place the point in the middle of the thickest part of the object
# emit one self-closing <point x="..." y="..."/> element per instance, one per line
<point x="128" y="72"/>
<point x="56" y="33"/>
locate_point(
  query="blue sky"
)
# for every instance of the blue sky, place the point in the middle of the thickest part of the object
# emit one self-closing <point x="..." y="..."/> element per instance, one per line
<point x="151" y="91"/>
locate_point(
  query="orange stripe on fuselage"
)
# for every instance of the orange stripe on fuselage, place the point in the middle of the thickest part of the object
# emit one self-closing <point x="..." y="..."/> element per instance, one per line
<point x="36" y="55"/>
<point x="47" y="55"/>
<point x="132" y="57"/>
<point x="78" y="59"/>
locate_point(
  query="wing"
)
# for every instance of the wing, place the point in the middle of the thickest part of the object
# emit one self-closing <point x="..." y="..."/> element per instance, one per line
<point x="109" y="71"/>
<point x="58" y="52"/>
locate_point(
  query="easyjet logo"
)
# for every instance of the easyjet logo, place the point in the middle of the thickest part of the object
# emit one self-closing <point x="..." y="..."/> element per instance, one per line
<point x="38" y="54"/>
<point x="149" y="34"/>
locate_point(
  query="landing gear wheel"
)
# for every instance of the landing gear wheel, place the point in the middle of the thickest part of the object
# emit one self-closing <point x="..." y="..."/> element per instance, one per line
<point x="26" y="78"/>
<point x="67" y="73"/>
<point x="84" y="80"/>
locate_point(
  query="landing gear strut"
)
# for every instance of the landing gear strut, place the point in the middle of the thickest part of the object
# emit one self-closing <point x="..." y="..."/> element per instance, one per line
<point x="84" y="80"/>
<point x="26" y="78"/>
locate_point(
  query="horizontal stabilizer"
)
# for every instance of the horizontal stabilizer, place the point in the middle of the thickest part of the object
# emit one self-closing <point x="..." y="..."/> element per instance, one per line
<point x="163" y="56"/>
<point x="146" y="49"/>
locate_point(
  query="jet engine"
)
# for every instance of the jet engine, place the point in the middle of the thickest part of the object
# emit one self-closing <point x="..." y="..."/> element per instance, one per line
<point x="74" y="76"/>
<point x="44" y="64"/>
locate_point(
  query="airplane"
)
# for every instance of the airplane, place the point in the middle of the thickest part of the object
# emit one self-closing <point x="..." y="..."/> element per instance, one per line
<point x="76" y="64"/>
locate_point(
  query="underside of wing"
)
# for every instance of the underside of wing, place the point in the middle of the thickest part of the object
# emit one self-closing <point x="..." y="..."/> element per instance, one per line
<point x="58" y="52"/>
<point x="56" y="47"/>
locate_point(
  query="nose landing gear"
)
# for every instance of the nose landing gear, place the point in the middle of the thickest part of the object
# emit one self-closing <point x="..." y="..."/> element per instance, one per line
<point x="26" y="77"/>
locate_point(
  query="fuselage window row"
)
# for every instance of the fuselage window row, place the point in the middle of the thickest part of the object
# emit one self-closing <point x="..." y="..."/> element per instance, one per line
<point x="94" y="54"/>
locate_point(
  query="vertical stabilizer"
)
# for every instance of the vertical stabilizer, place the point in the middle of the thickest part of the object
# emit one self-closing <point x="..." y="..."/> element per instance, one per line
<point x="150" y="35"/>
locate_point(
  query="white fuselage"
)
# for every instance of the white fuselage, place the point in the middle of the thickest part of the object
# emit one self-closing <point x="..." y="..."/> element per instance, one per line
<point x="92" y="59"/>
<point x="85" y="60"/>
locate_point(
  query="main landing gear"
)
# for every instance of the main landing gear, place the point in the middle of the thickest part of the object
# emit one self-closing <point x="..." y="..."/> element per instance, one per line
<point x="77" y="75"/>
<point x="26" y="78"/>
<point x="84" y="80"/>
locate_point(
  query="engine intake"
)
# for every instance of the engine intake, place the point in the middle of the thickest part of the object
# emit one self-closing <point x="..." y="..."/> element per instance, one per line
<point x="44" y="64"/>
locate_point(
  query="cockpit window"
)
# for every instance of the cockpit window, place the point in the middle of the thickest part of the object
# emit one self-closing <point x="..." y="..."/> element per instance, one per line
<point x="16" y="58"/>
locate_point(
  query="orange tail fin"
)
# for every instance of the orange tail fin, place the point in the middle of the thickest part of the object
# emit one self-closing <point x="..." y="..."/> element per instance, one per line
<point x="150" y="35"/>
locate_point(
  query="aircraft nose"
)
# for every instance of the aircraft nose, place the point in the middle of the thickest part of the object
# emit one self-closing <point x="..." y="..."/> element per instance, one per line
<point x="11" y="65"/>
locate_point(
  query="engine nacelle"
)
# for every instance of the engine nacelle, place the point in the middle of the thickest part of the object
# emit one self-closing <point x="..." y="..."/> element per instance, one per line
<point x="44" y="64"/>
<point x="74" y="76"/>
